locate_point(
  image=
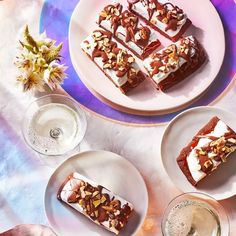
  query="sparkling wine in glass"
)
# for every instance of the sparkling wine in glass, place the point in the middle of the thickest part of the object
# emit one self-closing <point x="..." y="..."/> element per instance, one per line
<point x="54" y="125"/>
<point x="195" y="214"/>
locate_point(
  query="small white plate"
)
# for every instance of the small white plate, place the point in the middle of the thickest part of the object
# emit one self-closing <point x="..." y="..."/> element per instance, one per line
<point x="145" y="100"/>
<point x="221" y="184"/>
<point x="108" y="169"/>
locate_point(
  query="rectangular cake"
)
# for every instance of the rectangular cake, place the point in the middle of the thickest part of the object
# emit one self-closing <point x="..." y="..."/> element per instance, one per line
<point x="127" y="29"/>
<point x="117" y="64"/>
<point x="95" y="202"/>
<point x="174" y="63"/>
<point x="209" y="148"/>
<point x="161" y="15"/>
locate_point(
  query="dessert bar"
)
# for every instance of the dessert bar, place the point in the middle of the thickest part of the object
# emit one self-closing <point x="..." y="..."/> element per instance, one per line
<point x="209" y="148"/>
<point x="161" y="15"/>
<point x="174" y="63"/>
<point x="117" y="64"/>
<point x="127" y="29"/>
<point x="95" y="202"/>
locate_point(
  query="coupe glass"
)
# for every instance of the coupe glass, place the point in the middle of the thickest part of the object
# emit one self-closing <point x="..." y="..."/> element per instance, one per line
<point x="54" y="125"/>
<point x="195" y="214"/>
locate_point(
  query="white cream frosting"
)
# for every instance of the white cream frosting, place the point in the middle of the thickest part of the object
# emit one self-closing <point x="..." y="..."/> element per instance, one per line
<point x="193" y="163"/>
<point x="121" y="32"/>
<point x="161" y="75"/>
<point x="119" y="81"/>
<point x="72" y="183"/>
<point x="142" y="10"/>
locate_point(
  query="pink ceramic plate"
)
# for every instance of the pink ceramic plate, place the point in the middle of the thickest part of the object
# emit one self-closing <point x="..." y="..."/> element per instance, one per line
<point x="145" y="100"/>
<point x="221" y="184"/>
<point x="107" y="169"/>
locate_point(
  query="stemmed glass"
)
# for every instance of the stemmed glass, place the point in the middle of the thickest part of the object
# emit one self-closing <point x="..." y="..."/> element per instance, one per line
<point x="54" y="125"/>
<point x="191" y="214"/>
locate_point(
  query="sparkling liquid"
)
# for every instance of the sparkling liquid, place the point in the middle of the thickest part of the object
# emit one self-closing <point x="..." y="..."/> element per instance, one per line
<point x="192" y="218"/>
<point x="54" y="129"/>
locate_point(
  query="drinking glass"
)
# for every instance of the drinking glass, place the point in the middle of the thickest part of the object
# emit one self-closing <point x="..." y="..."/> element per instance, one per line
<point x="195" y="214"/>
<point x="54" y="125"/>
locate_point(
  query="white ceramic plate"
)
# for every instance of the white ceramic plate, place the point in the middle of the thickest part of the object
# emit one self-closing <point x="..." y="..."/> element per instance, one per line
<point x="107" y="169"/>
<point x="145" y="100"/>
<point x="221" y="184"/>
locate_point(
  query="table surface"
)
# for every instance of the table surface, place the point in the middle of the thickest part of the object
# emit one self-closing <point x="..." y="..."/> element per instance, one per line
<point x="24" y="174"/>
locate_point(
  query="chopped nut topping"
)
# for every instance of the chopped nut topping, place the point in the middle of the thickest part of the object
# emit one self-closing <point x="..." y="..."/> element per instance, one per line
<point x="208" y="163"/>
<point x="165" y="20"/>
<point x="131" y="59"/>
<point x="103" y="14"/>
<point x="98" y="205"/>
<point x="232" y="140"/>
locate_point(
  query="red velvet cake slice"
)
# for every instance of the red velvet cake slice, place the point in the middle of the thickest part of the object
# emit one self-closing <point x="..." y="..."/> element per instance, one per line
<point x="174" y="63"/>
<point x="117" y="64"/>
<point x="163" y="16"/>
<point x="127" y="29"/>
<point x="209" y="148"/>
<point x="95" y="202"/>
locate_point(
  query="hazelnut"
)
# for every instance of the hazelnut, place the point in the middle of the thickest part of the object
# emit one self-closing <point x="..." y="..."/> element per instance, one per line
<point x="153" y="21"/>
<point x="131" y="60"/>
<point x="73" y="198"/>
<point x="143" y="33"/>
<point x="186" y="41"/>
<point x="202" y="153"/>
<point x="165" y="20"/>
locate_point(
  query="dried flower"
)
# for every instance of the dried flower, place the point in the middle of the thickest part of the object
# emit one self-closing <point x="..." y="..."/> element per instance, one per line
<point x="54" y="75"/>
<point x="38" y="62"/>
<point x="31" y="81"/>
